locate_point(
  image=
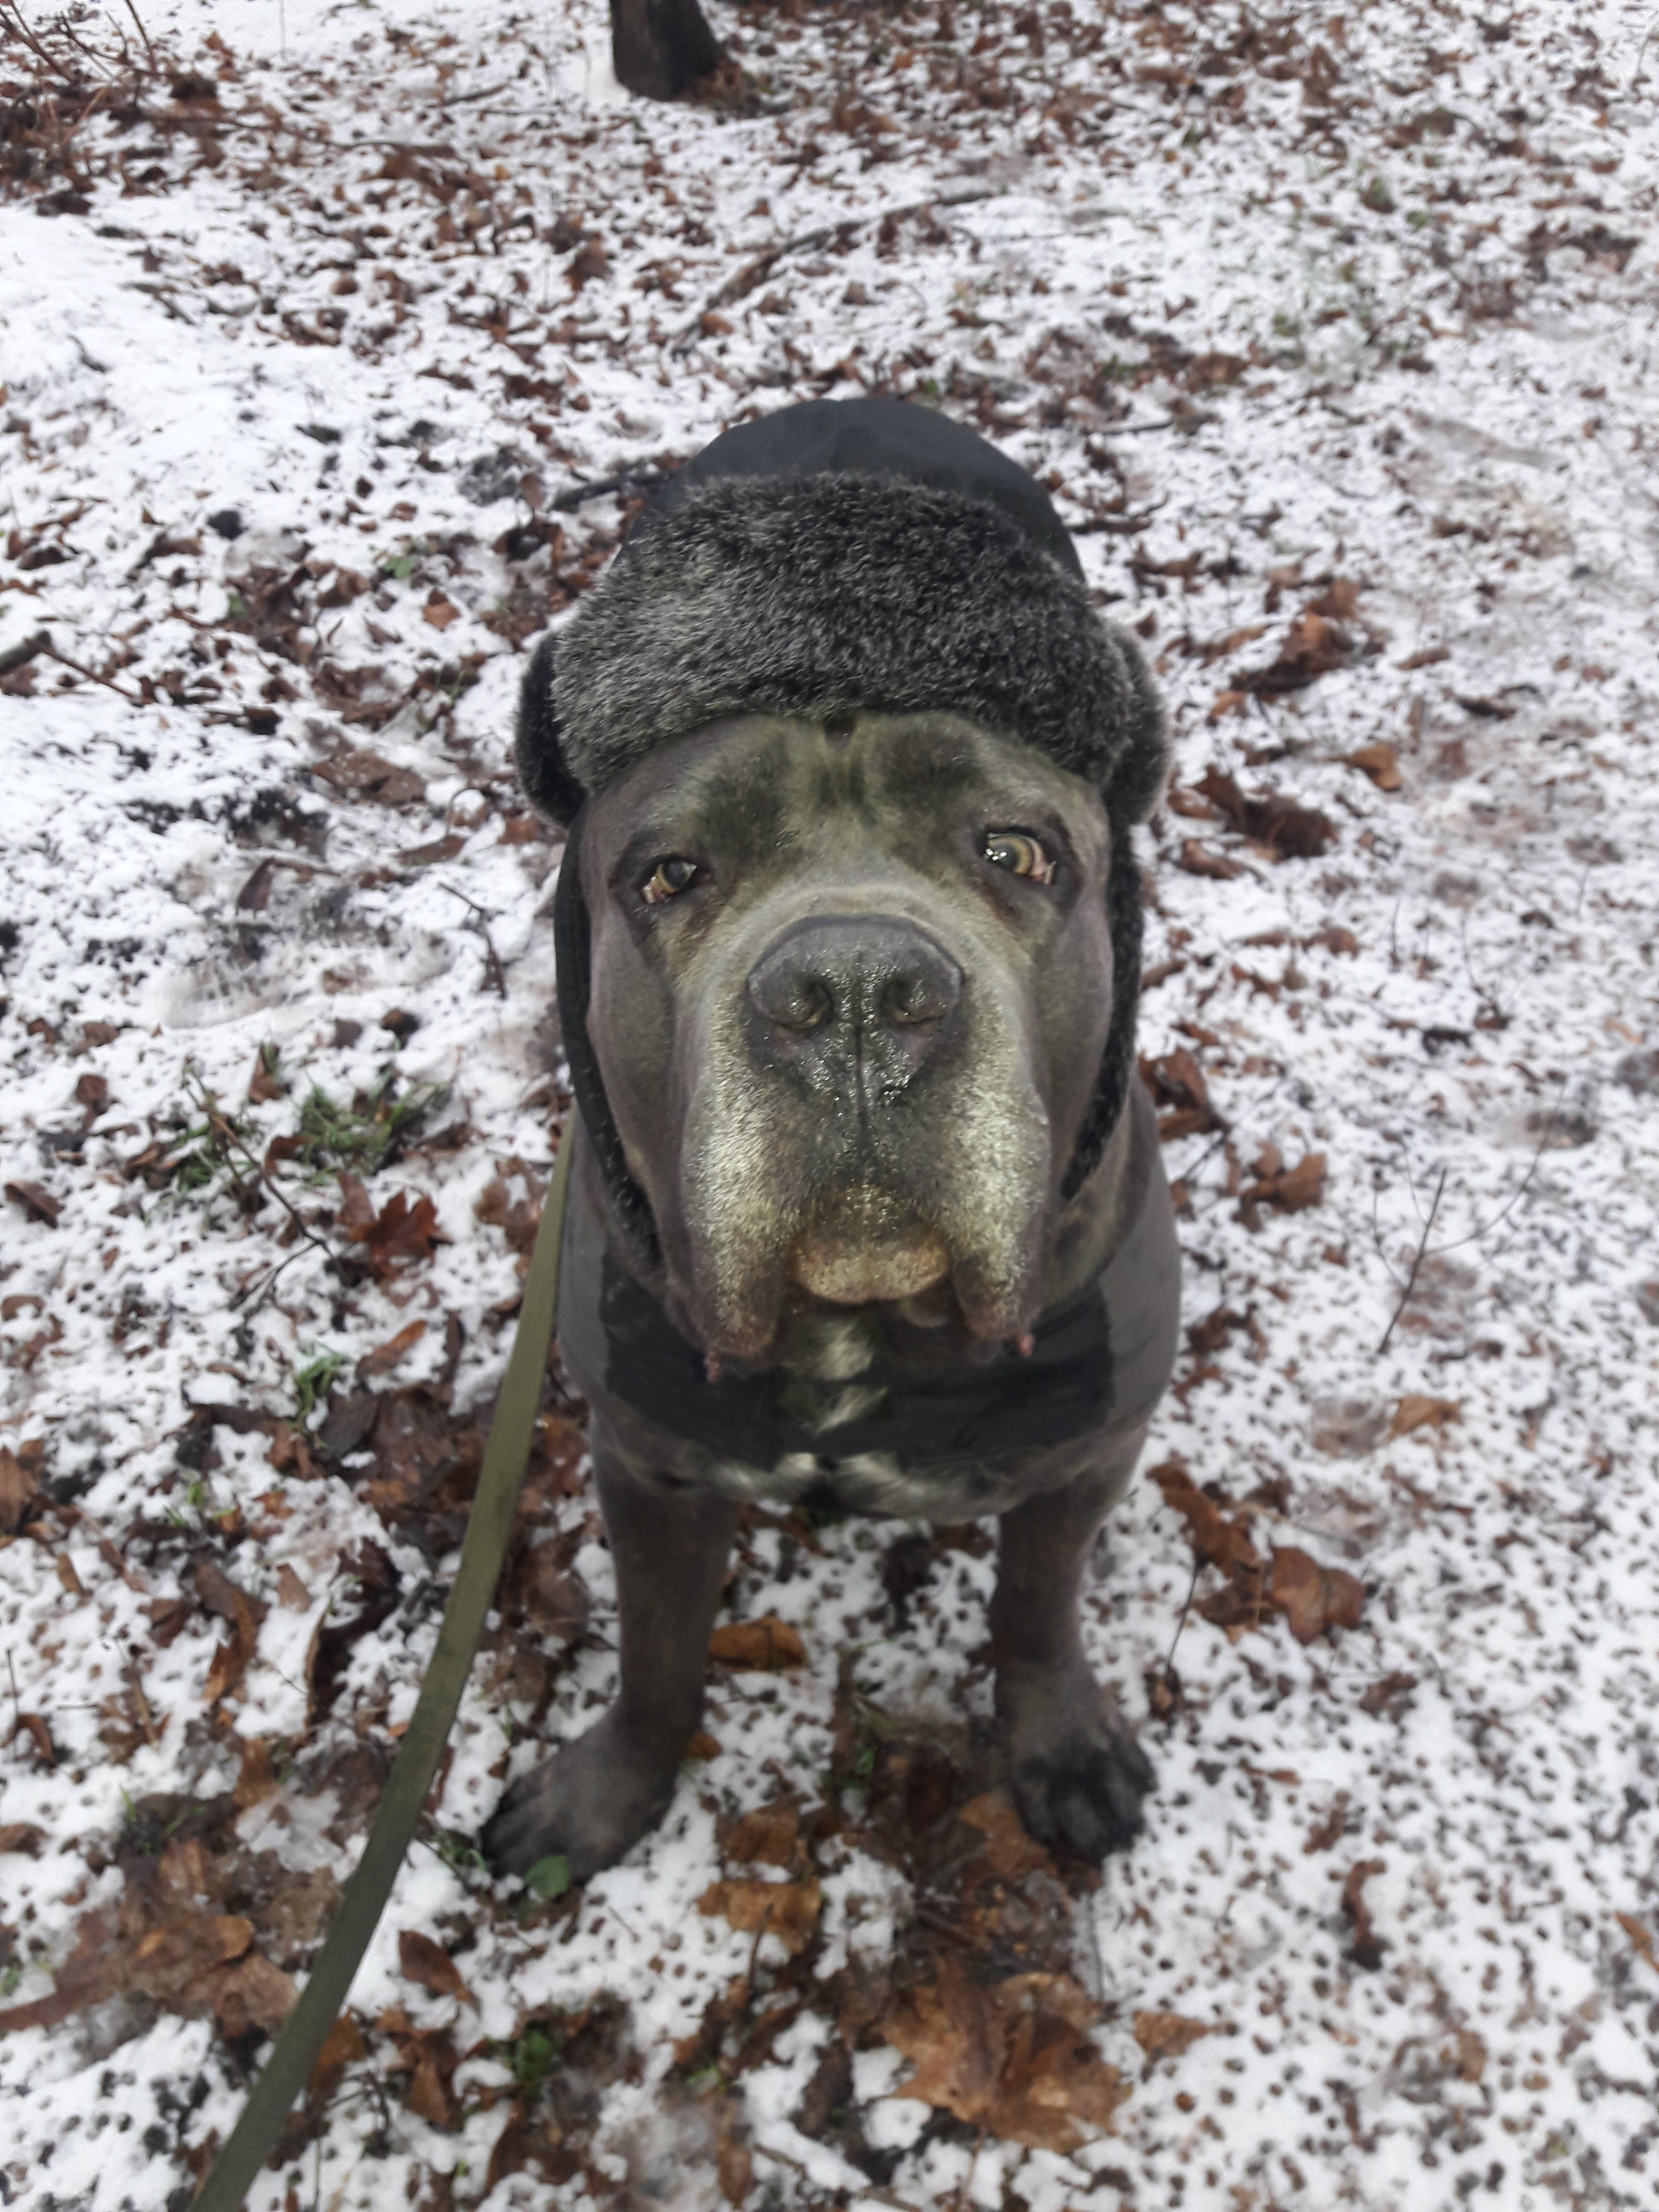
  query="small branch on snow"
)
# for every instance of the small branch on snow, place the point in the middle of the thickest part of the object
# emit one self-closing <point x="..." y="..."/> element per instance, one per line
<point x="758" y="270"/>
<point x="1411" y="1279"/>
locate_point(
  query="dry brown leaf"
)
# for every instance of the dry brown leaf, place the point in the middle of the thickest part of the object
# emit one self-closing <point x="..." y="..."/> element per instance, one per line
<point x="21" y="1836"/>
<point x="1009" y="1852"/>
<point x="1281" y="826"/>
<point x="769" y="1836"/>
<point x="1311" y="647"/>
<point x="39" y="1204"/>
<point x="385" y="1356"/>
<point x="1380" y="761"/>
<point x="342" y="2046"/>
<point x="1291" y="1190"/>
<point x="1199" y="860"/>
<point x="251" y="1993"/>
<point x="439" y="610"/>
<point x="787" y="1910"/>
<point x="16" y="1488"/>
<point x="1056" y="2092"/>
<point x="421" y="1960"/>
<point x="1368" y="1946"/>
<point x="765" y="1646"/>
<point x="1013" y="2057"/>
<point x="1314" y="1598"/>
<point x="1167" y="2035"/>
<point x="1640" y="1936"/>
<point x="1415" y="1412"/>
<point x="256" y="1778"/>
<point x="554" y="1599"/>
<point x="291" y="1590"/>
<point x="1177" y="1081"/>
<point x="400" y="1235"/>
<point x="1221" y="1540"/>
<point x="366" y="775"/>
<point x="244" y="1614"/>
<point x="702" y="1746"/>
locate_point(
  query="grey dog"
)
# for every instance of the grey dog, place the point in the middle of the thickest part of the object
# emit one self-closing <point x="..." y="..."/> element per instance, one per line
<point x="867" y="1210"/>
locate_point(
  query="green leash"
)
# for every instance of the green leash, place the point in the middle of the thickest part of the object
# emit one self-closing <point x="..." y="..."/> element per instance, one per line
<point x="487" y="1531"/>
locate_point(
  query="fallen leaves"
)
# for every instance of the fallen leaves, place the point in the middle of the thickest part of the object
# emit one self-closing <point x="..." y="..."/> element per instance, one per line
<point x="1416" y="1411"/>
<point x="1312" y="1597"/>
<point x="1177" y="1083"/>
<point x="1287" y="1190"/>
<point x="1312" y="647"/>
<point x="365" y="775"/>
<point x="401" y="1235"/>
<point x="767" y="1646"/>
<point x="17" y="1489"/>
<point x="1288" y="1583"/>
<point x="1283" y="828"/>
<point x="186" y="1933"/>
<point x="1380" y="761"/>
<point x="1640" y="1936"/>
<point x="787" y="1910"/>
<point x="40" y="1205"/>
<point x="1013" y="2057"/>
<point x="1167" y="2035"/>
<point x="422" y="1960"/>
<point x="1367" y="1946"/>
<point x="242" y="1614"/>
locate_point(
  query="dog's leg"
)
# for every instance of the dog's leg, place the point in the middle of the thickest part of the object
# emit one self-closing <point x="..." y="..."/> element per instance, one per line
<point x="594" y="1799"/>
<point x="1077" y="1773"/>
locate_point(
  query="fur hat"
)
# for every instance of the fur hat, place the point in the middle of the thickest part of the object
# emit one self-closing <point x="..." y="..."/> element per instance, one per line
<point x="825" y="593"/>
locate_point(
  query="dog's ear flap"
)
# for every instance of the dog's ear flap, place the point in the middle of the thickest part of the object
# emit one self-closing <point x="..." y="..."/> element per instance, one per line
<point x="550" y="787"/>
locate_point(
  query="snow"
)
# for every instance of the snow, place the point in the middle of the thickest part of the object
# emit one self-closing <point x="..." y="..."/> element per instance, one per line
<point x="1347" y="340"/>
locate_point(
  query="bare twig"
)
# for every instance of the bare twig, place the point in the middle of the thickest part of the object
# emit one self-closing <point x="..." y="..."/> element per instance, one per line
<point x="91" y="674"/>
<point x="143" y="34"/>
<point x="492" y="967"/>
<point x="1411" y="1279"/>
<point x="1169" y="1657"/>
<point x="756" y="271"/>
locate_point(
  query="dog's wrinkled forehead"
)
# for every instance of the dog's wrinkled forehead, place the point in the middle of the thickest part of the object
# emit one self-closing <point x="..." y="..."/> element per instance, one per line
<point x="808" y="596"/>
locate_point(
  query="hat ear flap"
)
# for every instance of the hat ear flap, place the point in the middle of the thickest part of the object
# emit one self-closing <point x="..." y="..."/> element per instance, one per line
<point x="538" y="743"/>
<point x="1133" y="787"/>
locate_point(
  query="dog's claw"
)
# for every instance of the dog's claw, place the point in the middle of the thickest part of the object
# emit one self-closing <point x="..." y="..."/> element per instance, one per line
<point x="589" y="1804"/>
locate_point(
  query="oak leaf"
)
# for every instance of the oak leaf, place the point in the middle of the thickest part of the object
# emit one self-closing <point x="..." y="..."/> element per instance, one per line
<point x="1314" y="1598"/>
<point x="1167" y="2035"/>
<point x="422" y="1960"/>
<point x="787" y="1910"/>
<point x="765" y="1646"/>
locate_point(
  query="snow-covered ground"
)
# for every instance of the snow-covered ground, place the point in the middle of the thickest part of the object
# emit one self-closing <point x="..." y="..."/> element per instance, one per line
<point x="1335" y="337"/>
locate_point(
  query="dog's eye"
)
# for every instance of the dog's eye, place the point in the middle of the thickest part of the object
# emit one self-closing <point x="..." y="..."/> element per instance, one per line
<point x="1020" y="853"/>
<point x="668" y="879"/>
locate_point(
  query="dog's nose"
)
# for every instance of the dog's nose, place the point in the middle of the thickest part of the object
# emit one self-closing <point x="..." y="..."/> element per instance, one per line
<point x="857" y="1005"/>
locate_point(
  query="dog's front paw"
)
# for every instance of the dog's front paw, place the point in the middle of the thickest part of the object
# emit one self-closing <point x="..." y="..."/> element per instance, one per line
<point x="1077" y="1772"/>
<point x="589" y="1804"/>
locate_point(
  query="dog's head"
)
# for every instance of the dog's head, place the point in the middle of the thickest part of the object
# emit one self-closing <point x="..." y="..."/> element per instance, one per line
<point x="855" y="903"/>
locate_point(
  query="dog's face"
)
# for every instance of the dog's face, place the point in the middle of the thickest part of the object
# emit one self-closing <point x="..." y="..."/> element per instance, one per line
<point x="851" y="985"/>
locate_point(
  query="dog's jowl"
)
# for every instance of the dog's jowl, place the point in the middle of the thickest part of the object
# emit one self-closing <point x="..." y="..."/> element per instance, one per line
<point x="866" y="1209"/>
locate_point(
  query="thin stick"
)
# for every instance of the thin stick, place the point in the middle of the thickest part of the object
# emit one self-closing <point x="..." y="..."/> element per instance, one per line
<point x="492" y="967"/>
<point x="1169" y="1660"/>
<point x="1411" y="1279"/>
<point x="760" y="268"/>
<point x="91" y="675"/>
<point x="142" y="33"/>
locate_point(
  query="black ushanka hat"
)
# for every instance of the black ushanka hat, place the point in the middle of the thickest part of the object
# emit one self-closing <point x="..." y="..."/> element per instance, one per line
<point x="839" y="555"/>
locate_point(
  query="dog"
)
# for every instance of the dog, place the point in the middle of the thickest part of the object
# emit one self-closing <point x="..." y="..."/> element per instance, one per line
<point x="866" y="1209"/>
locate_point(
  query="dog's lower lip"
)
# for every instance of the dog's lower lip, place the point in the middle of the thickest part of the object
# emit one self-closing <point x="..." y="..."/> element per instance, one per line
<point x="867" y="1248"/>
